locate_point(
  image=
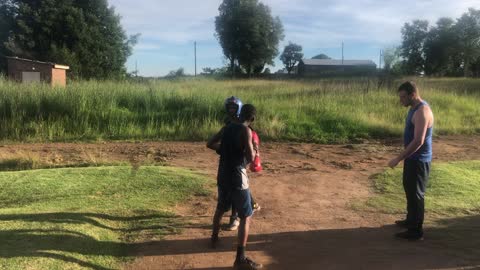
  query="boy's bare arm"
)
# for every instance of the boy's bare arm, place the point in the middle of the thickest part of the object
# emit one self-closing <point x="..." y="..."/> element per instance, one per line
<point x="248" y="144"/>
<point x="214" y="142"/>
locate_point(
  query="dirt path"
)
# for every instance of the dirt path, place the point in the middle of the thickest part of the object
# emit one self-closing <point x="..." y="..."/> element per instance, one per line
<point x="306" y="192"/>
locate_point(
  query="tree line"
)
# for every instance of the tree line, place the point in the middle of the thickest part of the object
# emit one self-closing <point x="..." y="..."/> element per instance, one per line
<point x="84" y="34"/>
<point x="448" y="48"/>
<point x="87" y="35"/>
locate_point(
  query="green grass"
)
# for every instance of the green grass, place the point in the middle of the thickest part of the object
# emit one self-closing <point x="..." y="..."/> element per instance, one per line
<point x="87" y="218"/>
<point x="323" y="111"/>
<point x="453" y="189"/>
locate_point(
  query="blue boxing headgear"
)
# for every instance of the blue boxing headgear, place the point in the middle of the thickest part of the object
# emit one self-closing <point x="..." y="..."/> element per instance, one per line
<point x="233" y="101"/>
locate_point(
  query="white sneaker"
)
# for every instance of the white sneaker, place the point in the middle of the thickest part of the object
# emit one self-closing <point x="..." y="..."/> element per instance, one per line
<point x="233" y="226"/>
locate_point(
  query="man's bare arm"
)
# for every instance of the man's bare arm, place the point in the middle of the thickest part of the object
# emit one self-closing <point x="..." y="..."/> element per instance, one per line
<point x="421" y="122"/>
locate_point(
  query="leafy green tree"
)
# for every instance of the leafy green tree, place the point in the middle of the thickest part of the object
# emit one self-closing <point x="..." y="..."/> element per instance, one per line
<point x="412" y="48"/>
<point x="441" y="48"/>
<point x="6" y="23"/>
<point x="467" y="30"/>
<point x="321" y="56"/>
<point x="248" y="34"/>
<point x="180" y="72"/>
<point x="475" y="67"/>
<point x="84" y="34"/>
<point x="391" y="56"/>
<point x="291" y="56"/>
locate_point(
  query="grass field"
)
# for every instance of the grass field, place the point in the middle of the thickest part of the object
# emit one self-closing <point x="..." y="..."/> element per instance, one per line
<point x="87" y="218"/>
<point x="453" y="189"/>
<point x="329" y="110"/>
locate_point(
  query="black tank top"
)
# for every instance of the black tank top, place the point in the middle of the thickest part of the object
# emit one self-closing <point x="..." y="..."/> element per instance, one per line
<point x="232" y="156"/>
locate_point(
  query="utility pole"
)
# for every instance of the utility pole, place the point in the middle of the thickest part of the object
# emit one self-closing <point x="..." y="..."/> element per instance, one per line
<point x="342" y="53"/>
<point x="380" y="60"/>
<point x="195" y="53"/>
<point x="136" y="69"/>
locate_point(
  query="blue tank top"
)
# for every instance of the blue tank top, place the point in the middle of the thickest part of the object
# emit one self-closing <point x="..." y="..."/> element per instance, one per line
<point x="424" y="153"/>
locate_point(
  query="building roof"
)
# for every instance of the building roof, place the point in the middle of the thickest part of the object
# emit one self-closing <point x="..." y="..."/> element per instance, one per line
<point x="334" y="62"/>
<point x="39" y="62"/>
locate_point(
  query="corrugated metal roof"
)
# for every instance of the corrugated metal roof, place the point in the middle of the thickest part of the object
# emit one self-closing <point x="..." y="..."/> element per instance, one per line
<point x="335" y="62"/>
<point x="38" y="62"/>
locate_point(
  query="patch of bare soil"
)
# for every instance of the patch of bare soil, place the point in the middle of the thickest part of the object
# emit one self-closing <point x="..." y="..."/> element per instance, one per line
<point x="307" y="220"/>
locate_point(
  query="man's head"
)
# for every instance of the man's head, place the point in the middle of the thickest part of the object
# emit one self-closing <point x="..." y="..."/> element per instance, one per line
<point x="248" y="113"/>
<point x="408" y="93"/>
<point x="233" y="105"/>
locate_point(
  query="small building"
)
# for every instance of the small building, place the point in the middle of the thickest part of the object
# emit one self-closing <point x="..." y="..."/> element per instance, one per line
<point x="27" y="71"/>
<point x="332" y="67"/>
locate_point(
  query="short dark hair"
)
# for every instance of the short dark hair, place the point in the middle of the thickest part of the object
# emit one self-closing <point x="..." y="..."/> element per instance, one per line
<point x="248" y="112"/>
<point x="410" y="87"/>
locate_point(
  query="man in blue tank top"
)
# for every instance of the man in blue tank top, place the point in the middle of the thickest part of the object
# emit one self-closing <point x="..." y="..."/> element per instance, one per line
<point x="417" y="157"/>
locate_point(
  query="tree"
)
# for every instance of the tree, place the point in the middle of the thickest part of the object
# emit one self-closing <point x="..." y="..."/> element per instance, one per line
<point x="208" y="71"/>
<point x="467" y="30"/>
<point x="441" y="48"/>
<point x="390" y="58"/>
<point x="321" y="56"/>
<point x="180" y="72"/>
<point x="6" y="23"/>
<point x="413" y="36"/>
<point x="475" y="67"/>
<point x="248" y="34"/>
<point x="85" y="34"/>
<point x="291" y="56"/>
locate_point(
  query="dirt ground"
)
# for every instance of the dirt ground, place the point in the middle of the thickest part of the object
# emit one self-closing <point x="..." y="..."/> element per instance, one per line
<point x="307" y="220"/>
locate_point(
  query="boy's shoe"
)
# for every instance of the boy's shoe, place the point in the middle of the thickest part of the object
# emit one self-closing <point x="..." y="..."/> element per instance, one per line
<point x="401" y="223"/>
<point x="213" y="242"/>
<point x="246" y="264"/>
<point x="233" y="225"/>
<point x="410" y="235"/>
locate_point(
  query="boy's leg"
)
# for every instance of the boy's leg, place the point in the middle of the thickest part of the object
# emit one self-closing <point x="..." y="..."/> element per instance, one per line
<point x="233" y="224"/>
<point x="223" y="204"/>
<point x="243" y="203"/>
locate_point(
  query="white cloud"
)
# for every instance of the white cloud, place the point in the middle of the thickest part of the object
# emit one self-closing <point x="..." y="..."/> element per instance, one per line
<point x="169" y="25"/>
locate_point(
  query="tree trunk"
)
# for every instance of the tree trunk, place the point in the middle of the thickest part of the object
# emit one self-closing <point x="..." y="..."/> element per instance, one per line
<point x="465" y="67"/>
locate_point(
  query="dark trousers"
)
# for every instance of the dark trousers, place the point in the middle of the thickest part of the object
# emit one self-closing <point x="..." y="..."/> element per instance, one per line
<point x="415" y="179"/>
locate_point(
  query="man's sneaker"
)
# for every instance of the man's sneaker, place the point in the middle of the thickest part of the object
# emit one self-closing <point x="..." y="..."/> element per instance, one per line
<point x="234" y="223"/>
<point x="410" y="235"/>
<point x="256" y="207"/>
<point x="246" y="264"/>
<point x="401" y="223"/>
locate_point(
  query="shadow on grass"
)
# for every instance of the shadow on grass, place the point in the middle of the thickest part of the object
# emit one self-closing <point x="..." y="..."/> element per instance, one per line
<point x="167" y="220"/>
<point x="48" y="243"/>
<point x="451" y="243"/>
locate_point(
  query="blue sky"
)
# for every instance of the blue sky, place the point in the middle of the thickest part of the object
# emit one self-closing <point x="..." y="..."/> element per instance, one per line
<point x="169" y="28"/>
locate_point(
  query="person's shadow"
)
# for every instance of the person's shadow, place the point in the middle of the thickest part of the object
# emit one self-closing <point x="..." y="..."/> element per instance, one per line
<point x="453" y="243"/>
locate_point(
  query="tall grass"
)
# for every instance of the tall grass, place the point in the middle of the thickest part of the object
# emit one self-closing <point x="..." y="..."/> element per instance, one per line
<point x="333" y="110"/>
<point x="453" y="189"/>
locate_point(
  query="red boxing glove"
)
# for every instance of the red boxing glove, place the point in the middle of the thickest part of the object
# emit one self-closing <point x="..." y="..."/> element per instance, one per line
<point x="256" y="165"/>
